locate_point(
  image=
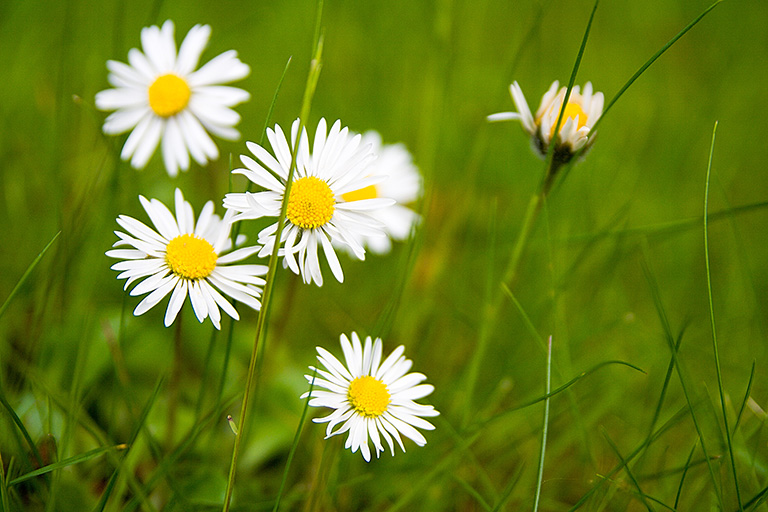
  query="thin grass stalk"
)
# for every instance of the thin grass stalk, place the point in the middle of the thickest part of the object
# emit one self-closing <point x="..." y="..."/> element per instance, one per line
<point x="295" y="444"/>
<point x="685" y="472"/>
<point x="712" y="321"/>
<point x="314" y="73"/>
<point x="26" y="274"/>
<point x="545" y="428"/>
<point x="629" y="472"/>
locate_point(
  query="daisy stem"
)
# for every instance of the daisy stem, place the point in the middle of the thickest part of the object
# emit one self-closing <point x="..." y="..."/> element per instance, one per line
<point x="309" y="91"/>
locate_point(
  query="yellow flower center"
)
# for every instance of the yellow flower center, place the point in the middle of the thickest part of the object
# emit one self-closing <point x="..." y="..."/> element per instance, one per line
<point x="169" y="95"/>
<point x="190" y="257"/>
<point x="311" y="203"/>
<point x="368" y="396"/>
<point x="368" y="192"/>
<point x="571" y="111"/>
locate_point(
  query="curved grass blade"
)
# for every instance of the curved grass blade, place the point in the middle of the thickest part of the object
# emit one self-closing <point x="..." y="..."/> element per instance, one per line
<point x="651" y="61"/>
<point x="712" y="321"/>
<point x="685" y="472"/>
<point x="66" y="463"/>
<point x="561" y="388"/>
<point x="26" y="274"/>
<point x="746" y="399"/>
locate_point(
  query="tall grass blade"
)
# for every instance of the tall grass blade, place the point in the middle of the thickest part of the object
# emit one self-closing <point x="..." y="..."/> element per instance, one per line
<point x="545" y="428"/>
<point x="26" y="274"/>
<point x="714" y="328"/>
<point x="295" y="444"/>
<point x="651" y="61"/>
<point x="627" y="470"/>
<point x="685" y="472"/>
<point x="746" y="399"/>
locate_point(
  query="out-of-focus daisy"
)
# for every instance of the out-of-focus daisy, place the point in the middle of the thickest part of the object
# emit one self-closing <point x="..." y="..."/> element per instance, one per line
<point x="371" y="399"/>
<point x="581" y="113"/>
<point x="402" y="183"/>
<point x="160" y="96"/>
<point x="188" y="259"/>
<point x="317" y="213"/>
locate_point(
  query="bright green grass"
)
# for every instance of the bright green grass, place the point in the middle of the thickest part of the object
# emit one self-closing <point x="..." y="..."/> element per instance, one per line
<point x="615" y="266"/>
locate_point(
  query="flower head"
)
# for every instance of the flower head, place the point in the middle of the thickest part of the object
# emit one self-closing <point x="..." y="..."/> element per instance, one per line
<point x="187" y="258"/>
<point x="160" y="96"/>
<point x="402" y="182"/>
<point x="581" y="113"/>
<point x="370" y="398"/>
<point x="317" y="213"/>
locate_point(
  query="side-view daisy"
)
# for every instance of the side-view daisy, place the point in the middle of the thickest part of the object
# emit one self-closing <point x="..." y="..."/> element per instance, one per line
<point x="370" y="398"/>
<point x="402" y="182"/>
<point x="160" y="96"/>
<point x="317" y="214"/>
<point x="188" y="258"/>
<point x="581" y="113"/>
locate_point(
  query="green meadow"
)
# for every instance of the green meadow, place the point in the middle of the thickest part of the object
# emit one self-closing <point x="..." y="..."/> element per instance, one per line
<point x="644" y="263"/>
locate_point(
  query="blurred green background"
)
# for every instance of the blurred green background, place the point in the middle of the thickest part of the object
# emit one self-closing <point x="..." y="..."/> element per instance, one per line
<point x="426" y="74"/>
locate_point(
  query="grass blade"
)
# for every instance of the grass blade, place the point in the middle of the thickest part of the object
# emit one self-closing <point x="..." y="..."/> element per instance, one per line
<point x="544" y="429"/>
<point x="26" y="274"/>
<point x="66" y="463"/>
<point x="712" y="321"/>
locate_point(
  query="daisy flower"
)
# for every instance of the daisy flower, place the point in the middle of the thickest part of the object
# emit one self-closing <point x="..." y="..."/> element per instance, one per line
<point x="370" y="398"/>
<point x="317" y="214"/>
<point x="187" y="258"/>
<point x="581" y="113"/>
<point x="402" y="183"/>
<point x="160" y="96"/>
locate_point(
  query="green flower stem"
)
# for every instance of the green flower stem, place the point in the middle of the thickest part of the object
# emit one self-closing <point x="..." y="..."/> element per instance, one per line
<point x="314" y="73"/>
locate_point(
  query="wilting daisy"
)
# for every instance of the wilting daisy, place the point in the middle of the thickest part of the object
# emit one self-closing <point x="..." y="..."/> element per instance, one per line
<point x="186" y="258"/>
<point x="581" y="113"/>
<point x="402" y="183"/>
<point x="371" y="399"/>
<point x="160" y="96"/>
<point x="317" y="212"/>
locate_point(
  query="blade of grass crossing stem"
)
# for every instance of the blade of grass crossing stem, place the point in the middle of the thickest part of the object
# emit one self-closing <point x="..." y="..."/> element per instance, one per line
<point x="486" y="317"/>
<point x="295" y="442"/>
<point x="26" y="274"/>
<point x="314" y="73"/>
<point x="134" y="435"/>
<point x="550" y="160"/>
<point x="674" y="420"/>
<point x="712" y="321"/>
<point x="545" y="428"/>
<point x="625" y="464"/>
<point x="510" y="487"/>
<point x="560" y="389"/>
<point x="656" y="295"/>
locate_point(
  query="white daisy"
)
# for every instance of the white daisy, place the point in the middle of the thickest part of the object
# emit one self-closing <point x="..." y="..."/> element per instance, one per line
<point x="187" y="258"/>
<point x="160" y="96"/>
<point x="317" y="214"/>
<point x="402" y="183"/>
<point x="581" y="113"/>
<point x="370" y="398"/>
